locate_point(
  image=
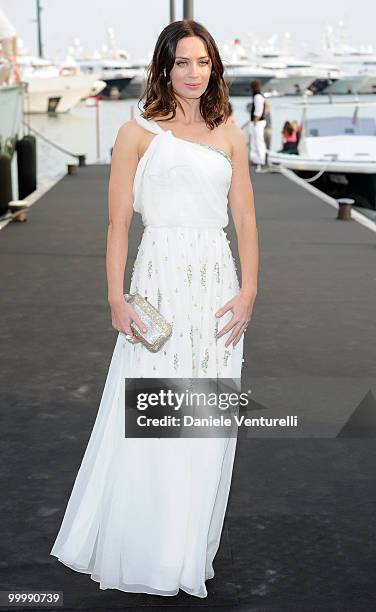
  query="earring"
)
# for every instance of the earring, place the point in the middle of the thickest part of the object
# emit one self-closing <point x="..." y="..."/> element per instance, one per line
<point x="165" y="76"/>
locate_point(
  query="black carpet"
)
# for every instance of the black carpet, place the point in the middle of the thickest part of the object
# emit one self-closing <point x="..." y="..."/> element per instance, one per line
<point x="299" y="532"/>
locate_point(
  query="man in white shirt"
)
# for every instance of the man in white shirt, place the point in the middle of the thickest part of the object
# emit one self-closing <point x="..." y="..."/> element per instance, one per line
<point x="258" y="148"/>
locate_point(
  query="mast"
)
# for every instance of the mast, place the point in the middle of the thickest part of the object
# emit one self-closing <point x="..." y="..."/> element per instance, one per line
<point x="187" y="9"/>
<point x="40" y="46"/>
<point x="172" y="11"/>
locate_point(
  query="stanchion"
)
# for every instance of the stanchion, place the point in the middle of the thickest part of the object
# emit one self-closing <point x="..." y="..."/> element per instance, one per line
<point x="18" y="209"/>
<point x="6" y="191"/>
<point x="344" y="208"/>
<point x="97" y="126"/>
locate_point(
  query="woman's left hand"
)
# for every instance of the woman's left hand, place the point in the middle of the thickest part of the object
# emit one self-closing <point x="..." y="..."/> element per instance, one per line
<point x="241" y="305"/>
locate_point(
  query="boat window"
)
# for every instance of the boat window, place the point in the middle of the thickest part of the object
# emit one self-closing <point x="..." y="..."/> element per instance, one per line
<point x="337" y="126"/>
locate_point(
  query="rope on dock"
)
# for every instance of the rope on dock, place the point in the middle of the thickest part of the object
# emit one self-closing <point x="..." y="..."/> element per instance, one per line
<point x="53" y="144"/>
<point x="320" y="173"/>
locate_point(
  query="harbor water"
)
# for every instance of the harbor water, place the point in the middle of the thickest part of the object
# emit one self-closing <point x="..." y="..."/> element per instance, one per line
<point x="76" y="130"/>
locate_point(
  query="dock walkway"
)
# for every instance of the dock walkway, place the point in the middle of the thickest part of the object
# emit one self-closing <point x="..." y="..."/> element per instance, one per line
<point x="299" y="533"/>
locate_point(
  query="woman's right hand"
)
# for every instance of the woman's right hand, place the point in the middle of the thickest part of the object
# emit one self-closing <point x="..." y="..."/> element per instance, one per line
<point x="123" y="314"/>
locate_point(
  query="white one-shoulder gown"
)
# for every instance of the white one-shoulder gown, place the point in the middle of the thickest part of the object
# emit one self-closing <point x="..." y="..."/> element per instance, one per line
<point x="146" y="515"/>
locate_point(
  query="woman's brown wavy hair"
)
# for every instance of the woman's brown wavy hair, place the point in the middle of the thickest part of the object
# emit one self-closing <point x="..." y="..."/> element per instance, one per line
<point x="160" y="98"/>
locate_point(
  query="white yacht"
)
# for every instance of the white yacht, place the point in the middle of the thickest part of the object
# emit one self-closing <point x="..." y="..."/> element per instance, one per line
<point x="240" y="69"/>
<point x="358" y="63"/>
<point x="360" y="70"/>
<point x="292" y="76"/>
<point x="337" y="150"/>
<point x="123" y="79"/>
<point x="116" y="74"/>
<point x="54" y="88"/>
<point x="239" y="76"/>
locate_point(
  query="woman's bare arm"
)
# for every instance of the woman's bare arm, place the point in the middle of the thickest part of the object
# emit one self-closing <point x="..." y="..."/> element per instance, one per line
<point x="243" y="213"/>
<point x="120" y="207"/>
<point x="120" y="212"/>
<point x="242" y="206"/>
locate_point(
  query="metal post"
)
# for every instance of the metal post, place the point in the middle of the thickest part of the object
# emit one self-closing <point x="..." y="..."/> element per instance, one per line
<point x="172" y="11"/>
<point x="40" y="45"/>
<point x="344" y="208"/>
<point x="187" y="9"/>
<point x="330" y="91"/>
<point x="97" y="126"/>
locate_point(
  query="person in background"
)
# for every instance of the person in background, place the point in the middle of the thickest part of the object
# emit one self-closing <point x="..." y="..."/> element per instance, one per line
<point x="258" y="148"/>
<point x="298" y="130"/>
<point x="289" y="139"/>
<point x="268" y="125"/>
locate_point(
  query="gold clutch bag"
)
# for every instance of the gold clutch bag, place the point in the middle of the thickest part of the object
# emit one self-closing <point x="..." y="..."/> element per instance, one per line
<point x="158" y="329"/>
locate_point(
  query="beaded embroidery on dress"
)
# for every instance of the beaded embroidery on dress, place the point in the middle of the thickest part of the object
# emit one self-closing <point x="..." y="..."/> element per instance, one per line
<point x="146" y="515"/>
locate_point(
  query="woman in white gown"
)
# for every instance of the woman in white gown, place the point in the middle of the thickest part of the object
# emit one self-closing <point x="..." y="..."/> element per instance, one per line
<point x="146" y="514"/>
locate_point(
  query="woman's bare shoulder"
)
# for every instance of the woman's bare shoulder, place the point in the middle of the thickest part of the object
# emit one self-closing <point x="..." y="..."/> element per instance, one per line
<point x="232" y="130"/>
<point x="130" y="137"/>
<point x="234" y="135"/>
<point x="129" y="129"/>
